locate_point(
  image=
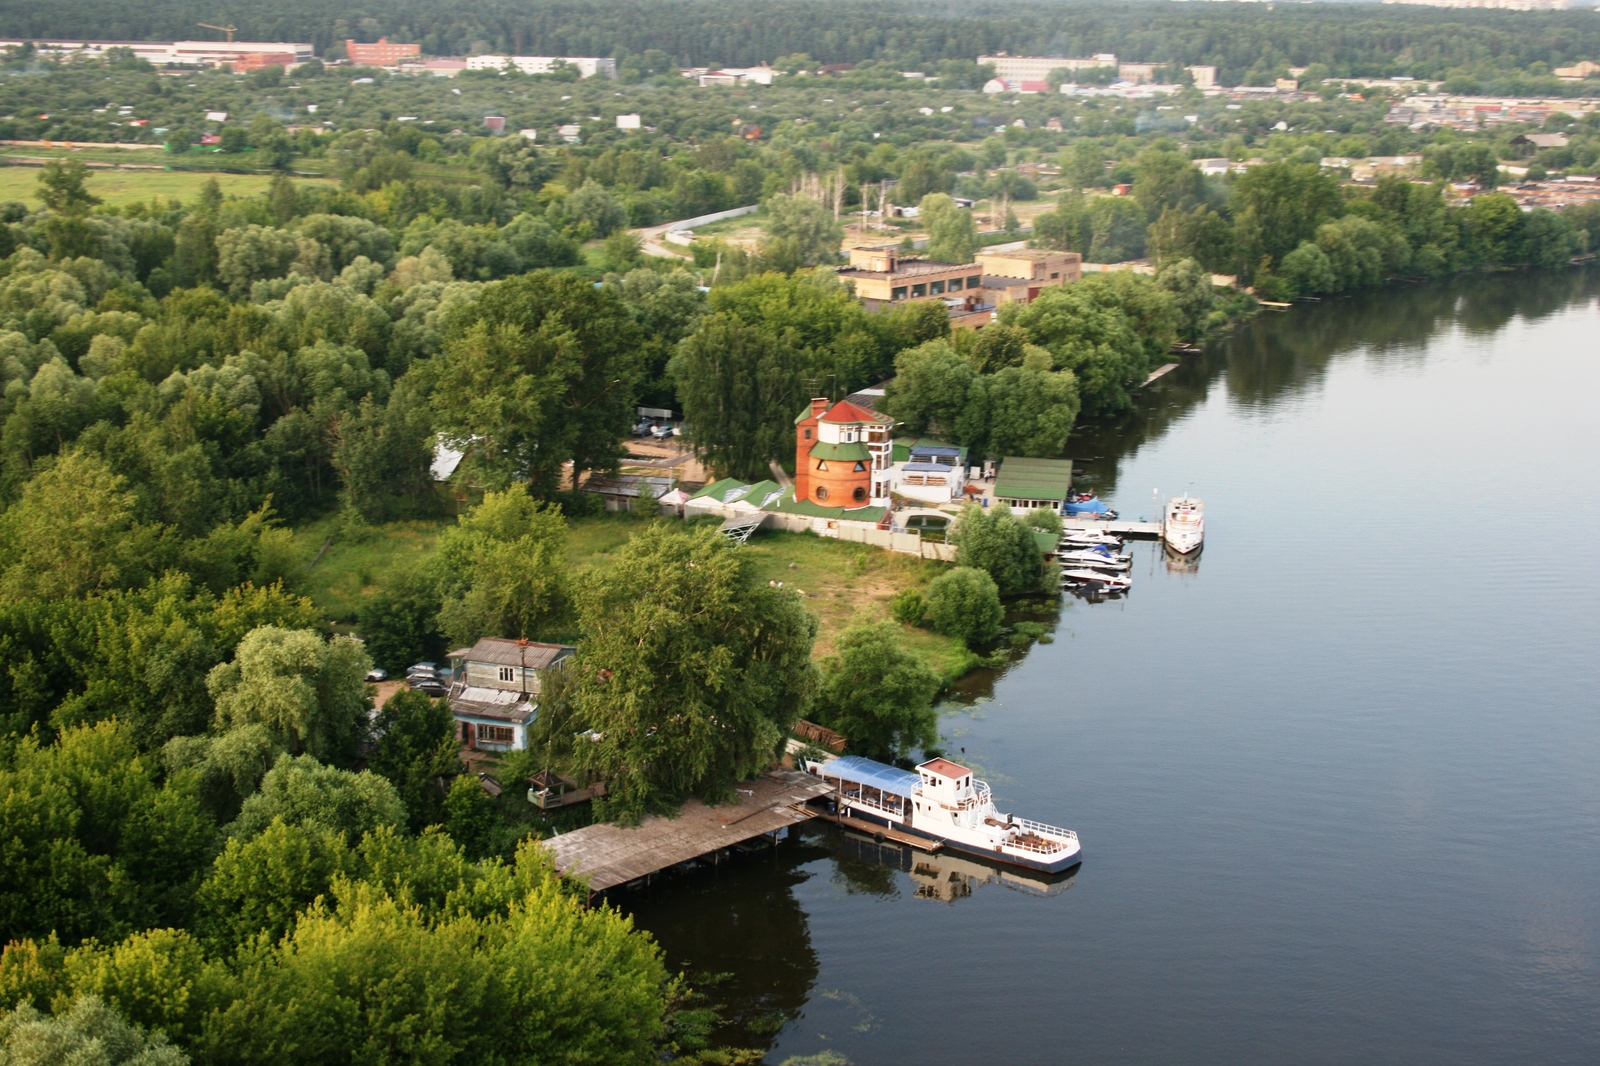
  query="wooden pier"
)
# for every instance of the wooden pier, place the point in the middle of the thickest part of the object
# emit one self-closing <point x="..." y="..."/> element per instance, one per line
<point x="1118" y="526"/>
<point x="882" y="832"/>
<point x="611" y="855"/>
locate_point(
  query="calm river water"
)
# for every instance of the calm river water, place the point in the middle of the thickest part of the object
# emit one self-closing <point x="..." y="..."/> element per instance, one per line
<point x="1338" y="786"/>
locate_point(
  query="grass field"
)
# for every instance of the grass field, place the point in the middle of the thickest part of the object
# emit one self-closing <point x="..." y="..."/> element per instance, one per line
<point x="843" y="583"/>
<point x="126" y="186"/>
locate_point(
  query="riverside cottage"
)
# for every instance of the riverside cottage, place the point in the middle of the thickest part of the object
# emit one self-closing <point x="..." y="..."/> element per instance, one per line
<point x="494" y="697"/>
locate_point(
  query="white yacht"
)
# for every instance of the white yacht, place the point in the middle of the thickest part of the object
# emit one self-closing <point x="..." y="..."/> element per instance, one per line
<point x="1098" y="558"/>
<point x="1101" y="579"/>
<point x="1088" y="538"/>
<point x="1185" y="527"/>
<point x="941" y="801"/>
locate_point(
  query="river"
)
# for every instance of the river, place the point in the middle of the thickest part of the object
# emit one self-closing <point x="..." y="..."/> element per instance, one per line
<point x="1338" y="784"/>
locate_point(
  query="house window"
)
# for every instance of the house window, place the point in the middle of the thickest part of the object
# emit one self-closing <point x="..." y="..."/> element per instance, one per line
<point x="955" y="284"/>
<point x="975" y="281"/>
<point x="822" y="492"/>
<point x="897" y="293"/>
<point x="822" y="464"/>
<point x="508" y="673"/>
<point x="808" y="434"/>
<point x="859" y="495"/>
<point x="936" y="288"/>
<point x="860" y="467"/>
<point x="918" y="291"/>
<point x="496" y="734"/>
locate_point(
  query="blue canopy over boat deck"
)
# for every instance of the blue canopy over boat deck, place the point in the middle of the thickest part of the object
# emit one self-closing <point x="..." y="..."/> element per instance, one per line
<point x="859" y="771"/>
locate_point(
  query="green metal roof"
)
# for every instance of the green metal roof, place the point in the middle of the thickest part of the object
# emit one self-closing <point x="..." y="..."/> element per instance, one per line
<point x="1047" y="542"/>
<point x="719" y="489"/>
<point x="1033" y="479"/>
<point x="840" y="453"/>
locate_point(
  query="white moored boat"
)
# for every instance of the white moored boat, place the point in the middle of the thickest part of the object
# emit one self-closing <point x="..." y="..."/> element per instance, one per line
<point x="1088" y="538"/>
<point x="1185" y="528"/>
<point x="1100" y="579"/>
<point x="941" y="801"/>
<point x="1096" y="558"/>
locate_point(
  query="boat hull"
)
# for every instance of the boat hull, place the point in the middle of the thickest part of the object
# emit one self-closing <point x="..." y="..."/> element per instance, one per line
<point x="1054" y="866"/>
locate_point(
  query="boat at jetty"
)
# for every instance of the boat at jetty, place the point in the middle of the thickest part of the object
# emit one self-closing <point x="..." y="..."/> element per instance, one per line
<point x="1088" y="538"/>
<point x="1185" y="528"/>
<point x="1098" y="558"/>
<point x="941" y="802"/>
<point x="1101" y="580"/>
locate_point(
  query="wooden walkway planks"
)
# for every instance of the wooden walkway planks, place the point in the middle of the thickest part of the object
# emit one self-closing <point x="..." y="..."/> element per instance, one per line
<point x="610" y="855"/>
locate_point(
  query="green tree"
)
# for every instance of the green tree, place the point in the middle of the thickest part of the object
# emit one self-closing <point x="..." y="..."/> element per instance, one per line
<point x="1029" y="409"/>
<point x="416" y="749"/>
<point x="1191" y="291"/>
<point x="740" y="387"/>
<point x="964" y="603"/>
<point x="62" y="188"/>
<point x="260" y="884"/>
<point x="877" y="693"/>
<point x="1084" y="166"/>
<point x="72" y="533"/>
<point x="92" y="843"/>
<point x="1278" y="205"/>
<point x="593" y="203"/>
<point x="401" y="623"/>
<point x="537" y="372"/>
<point x="931" y="392"/>
<point x="1164" y="178"/>
<point x="300" y="791"/>
<point x="89" y="1033"/>
<point x="1090" y="334"/>
<point x="994" y="540"/>
<point x="811" y="226"/>
<point x="691" y="671"/>
<point x="952" y="235"/>
<point x="310" y="692"/>
<point x="504" y="570"/>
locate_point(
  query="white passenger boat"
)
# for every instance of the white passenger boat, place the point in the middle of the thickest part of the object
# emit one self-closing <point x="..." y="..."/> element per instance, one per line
<point x="1098" y="558"/>
<point x="1185" y="528"/>
<point x="940" y="801"/>
<point x="1102" y="579"/>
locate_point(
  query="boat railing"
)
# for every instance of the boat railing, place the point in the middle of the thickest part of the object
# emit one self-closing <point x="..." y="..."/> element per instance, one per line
<point x="856" y="799"/>
<point x="1053" y="838"/>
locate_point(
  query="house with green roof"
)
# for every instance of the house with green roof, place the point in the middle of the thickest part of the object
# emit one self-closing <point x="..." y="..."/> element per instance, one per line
<point x="1029" y="483"/>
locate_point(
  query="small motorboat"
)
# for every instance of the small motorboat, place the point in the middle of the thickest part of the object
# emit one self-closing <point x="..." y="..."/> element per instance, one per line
<point x="1097" y="558"/>
<point x="1097" y="578"/>
<point x="1088" y="538"/>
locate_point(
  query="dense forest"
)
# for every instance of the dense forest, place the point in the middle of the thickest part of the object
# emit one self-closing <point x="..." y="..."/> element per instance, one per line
<point x="1351" y="40"/>
<point x="215" y="847"/>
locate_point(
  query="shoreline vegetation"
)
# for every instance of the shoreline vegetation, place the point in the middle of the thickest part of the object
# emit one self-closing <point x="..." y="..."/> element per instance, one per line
<point x="221" y="400"/>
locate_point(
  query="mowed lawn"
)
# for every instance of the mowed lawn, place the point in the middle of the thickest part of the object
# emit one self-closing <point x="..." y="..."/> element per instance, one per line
<point x="118" y="187"/>
<point x="843" y="584"/>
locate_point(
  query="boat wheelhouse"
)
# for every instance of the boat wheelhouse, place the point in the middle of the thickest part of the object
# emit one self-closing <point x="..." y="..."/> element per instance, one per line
<point x="942" y="801"/>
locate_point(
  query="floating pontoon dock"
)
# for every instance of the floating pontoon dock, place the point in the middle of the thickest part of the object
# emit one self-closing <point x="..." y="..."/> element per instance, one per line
<point x="611" y="855"/>
<point x="1118" y="526"/>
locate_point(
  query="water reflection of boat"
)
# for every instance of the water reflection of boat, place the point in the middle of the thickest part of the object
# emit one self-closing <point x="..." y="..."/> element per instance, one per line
<point x="946" y="876"/>
<point x="941" y="801"/>
<point x="1180" y="563"/>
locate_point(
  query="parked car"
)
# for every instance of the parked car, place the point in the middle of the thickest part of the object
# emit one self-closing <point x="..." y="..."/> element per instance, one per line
<point x="377" y="673"/>
<point x="431" y="685"/>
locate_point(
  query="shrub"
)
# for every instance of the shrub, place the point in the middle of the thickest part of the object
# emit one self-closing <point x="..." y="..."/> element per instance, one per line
<point x="965" y="603"/>
<point x="908" y="607"/>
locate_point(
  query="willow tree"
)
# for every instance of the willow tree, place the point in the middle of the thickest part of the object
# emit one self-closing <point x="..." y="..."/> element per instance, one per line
<point x="691" y="671"/>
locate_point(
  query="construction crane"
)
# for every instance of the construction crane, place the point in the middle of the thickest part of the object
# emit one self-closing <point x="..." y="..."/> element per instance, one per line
<point x="228" y="29"/>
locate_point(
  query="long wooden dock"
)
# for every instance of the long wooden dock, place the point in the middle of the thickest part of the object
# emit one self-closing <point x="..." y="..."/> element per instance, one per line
<point x="611" y="855"/>
<point x="1119" y="526"/>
